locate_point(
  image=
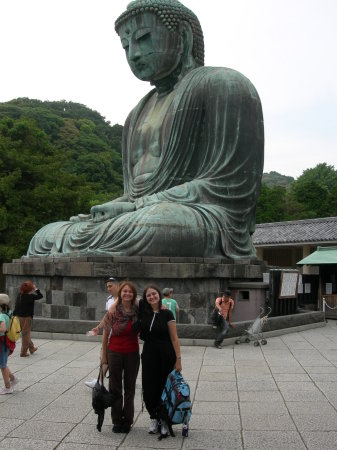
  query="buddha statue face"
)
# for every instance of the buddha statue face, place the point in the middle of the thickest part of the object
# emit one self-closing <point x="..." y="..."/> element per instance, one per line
<point x="152" y="50"/>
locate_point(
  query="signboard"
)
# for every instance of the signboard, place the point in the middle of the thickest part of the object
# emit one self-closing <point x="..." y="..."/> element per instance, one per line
<point x="300" y="285"/>
<point x="288" y="285"/>
<point x="328" y="288"/>
<point x="266" y="277"/>
<point x="307" y="288"/>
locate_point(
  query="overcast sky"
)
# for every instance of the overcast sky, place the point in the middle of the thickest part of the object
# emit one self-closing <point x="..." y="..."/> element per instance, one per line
<point x="68" y="49"/>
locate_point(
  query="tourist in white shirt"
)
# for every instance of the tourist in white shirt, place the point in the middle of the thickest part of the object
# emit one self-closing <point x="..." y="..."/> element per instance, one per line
<point x="112" y="286"/>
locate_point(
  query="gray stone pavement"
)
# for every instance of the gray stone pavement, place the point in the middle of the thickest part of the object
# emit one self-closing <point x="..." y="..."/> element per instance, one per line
<point x="279" y="396"/>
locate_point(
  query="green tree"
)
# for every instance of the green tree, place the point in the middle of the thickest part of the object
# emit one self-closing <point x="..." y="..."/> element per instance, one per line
<point x="276" y="179"/>
<point x="314" y="191"/>
<point x="312" y="195"/>
<point x="34" y="187"/>
<point x="271" y="206"/>
<point x="57" y="159"/>
<point x="332" y="200"/>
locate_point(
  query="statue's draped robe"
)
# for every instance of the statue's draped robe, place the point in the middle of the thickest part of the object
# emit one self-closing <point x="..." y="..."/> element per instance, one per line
<point x="201" y="198"/>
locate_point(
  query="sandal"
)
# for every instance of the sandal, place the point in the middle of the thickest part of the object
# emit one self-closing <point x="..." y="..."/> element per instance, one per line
<point x="24" y="355"/>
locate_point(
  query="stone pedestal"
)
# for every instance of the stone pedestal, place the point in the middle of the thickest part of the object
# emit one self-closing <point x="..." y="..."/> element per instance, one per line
<point x="74" y="288"/>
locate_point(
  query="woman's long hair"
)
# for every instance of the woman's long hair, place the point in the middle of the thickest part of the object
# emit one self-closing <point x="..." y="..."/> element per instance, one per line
<point x="147" y="307"/>
<point x="133" y="289"/>
<point x="26" y="287"/>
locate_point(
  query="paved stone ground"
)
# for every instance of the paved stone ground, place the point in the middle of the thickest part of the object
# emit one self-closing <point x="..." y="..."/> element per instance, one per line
<point x="279" y="396"/>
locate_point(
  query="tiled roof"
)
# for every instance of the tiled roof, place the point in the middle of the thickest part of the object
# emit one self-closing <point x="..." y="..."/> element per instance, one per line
<point x="296" y="232"/>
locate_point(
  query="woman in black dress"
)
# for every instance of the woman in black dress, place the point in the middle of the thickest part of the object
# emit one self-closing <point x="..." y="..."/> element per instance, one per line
<point x="161" y="353"/>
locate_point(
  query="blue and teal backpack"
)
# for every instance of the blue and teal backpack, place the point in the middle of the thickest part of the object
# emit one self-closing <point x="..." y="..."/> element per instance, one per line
<point x="176" y="401"/>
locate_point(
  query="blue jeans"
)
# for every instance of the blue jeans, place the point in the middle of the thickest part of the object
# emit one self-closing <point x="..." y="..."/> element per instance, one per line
<point x="224" y="326"/>
<point x="4" y="353"/>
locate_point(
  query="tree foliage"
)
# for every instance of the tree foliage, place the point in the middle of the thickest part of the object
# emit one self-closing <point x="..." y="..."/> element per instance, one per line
<point x="273" y="178"/>
<point x="312" y="195"/>
<point x="315" y="190"/>
<point x="57" y="159"/>
<point x="271" y="205"/>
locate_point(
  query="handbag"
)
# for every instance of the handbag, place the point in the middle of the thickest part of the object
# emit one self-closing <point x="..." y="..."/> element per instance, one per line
<point x="216" y="317"/>
<point x="101" y="399"/>
<point x="8" y="343"/>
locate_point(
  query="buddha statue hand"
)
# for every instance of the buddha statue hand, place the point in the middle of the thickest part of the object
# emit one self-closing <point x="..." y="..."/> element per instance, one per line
<point x="80" y="218"/>
<point x="109" y="210"/>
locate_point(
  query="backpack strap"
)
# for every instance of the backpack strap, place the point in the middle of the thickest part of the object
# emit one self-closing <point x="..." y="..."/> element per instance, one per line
<point x="9" y="315"/>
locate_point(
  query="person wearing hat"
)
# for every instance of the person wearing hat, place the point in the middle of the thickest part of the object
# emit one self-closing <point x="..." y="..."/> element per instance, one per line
<point x="169" y="302"/>
<point x="223" y="307"/>
<point x="112" y="286"/>
<point x="9" y="379"/>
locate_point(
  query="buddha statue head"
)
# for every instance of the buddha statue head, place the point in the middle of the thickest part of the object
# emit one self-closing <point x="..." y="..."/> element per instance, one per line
<point x="162" y="40"/>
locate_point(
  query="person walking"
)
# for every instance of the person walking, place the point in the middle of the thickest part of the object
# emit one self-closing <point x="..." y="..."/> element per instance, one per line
<point x="9" y="379"/>
<point x="223" y="309"/>
<point x="161" y="353"/>
<point x="170" y="303"/>
<point x="24" y="309"/>
<point x="112" y="286"/>
<point x="120" y="352"/>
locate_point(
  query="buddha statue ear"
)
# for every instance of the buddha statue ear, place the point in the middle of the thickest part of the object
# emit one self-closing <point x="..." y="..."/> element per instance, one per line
<point x="187" y="58"/>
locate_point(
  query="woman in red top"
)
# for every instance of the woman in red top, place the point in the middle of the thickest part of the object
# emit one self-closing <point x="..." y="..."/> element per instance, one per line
<point x="120" y="350"/>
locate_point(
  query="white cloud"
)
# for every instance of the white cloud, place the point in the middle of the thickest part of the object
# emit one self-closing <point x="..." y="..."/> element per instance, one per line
<point x="291" y="154"/>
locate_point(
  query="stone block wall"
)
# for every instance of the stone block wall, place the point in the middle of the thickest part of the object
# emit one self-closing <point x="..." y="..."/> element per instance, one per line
<point x="74" y="288"/>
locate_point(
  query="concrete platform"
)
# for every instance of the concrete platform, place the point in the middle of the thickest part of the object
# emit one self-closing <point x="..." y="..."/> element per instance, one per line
<point x="278" y="396"/>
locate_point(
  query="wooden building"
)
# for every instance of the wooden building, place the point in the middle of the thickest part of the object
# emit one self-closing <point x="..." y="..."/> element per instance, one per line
<point x="324" y="259"/>
<point x="310" y="245"/>
<point x="283" y="244"/>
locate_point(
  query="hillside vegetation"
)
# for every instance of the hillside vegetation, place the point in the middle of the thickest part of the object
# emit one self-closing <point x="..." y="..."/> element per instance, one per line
<point x="276" y="179"/>
<point x="312" y="195"/>
<point x="57" y="159"/>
